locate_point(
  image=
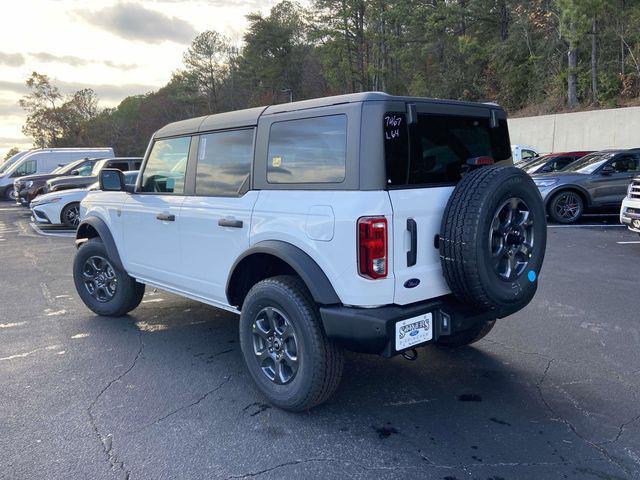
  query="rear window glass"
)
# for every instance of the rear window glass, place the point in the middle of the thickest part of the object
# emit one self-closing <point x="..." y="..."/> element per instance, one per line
<point x="224" y="162"/>
<point x="436" y="148"/>
<point x="309" y="150"/>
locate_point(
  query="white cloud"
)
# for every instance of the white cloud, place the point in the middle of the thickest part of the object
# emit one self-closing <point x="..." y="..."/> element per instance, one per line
<point x="134" y="22"/>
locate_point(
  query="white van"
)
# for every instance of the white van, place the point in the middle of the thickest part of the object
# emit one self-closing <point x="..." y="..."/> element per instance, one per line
<point x="11" y="160"/>
<point x="523" y="153"/>
<point x="45" y="160"/>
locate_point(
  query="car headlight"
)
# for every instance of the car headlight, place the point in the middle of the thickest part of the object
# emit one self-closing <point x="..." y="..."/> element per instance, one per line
<point x="545" y="182"/>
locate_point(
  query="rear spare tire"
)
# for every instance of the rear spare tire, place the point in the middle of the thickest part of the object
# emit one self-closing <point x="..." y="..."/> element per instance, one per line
<point x="493" y="238"/>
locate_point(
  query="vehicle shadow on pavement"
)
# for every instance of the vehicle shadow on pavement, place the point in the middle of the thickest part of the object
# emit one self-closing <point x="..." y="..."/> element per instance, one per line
<point x="186" y="390"/>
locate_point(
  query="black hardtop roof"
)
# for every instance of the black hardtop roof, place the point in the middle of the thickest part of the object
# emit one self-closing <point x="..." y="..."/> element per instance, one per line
<point x="249" y="117"/>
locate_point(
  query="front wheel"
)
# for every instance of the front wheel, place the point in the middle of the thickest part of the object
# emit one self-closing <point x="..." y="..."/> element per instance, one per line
<point x="70" y="215"/>
<point x="566" y="207"/>
<point x="294" y="365"/>
<point x="10" y="194"/>
<point x="103" y="287"/>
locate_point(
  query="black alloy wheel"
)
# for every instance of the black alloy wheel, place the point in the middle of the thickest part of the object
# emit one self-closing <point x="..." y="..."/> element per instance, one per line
<point x="275" y="345"/>
<point x="566" y="207"/>
<point x="99" y="278"/>
<point x="71" y="215"/>
<point x="511" y="238"/>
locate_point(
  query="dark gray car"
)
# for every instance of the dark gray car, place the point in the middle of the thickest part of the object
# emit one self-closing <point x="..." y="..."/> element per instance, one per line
<point x="597" y="182"/>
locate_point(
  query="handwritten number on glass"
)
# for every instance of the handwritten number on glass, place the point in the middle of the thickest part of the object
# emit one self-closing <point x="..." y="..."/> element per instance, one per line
<point x="392" y="126"/>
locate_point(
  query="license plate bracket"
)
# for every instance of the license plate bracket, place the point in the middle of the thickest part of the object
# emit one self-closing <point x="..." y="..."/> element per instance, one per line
<point x="413" y="331"/>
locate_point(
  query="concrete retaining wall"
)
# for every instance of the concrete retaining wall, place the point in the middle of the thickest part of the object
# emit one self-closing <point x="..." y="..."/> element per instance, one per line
<point x="563" y="132"/>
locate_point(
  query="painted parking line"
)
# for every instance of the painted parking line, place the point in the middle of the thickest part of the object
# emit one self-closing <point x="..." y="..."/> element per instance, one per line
<point x="628" y="243"/>
<point x="595" y="225"/>
<point x="68" y="234"/>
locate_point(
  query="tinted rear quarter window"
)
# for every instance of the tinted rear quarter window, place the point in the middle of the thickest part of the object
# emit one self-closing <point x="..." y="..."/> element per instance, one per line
<point x="308" y="150"/>
<point x="435" y="150"/>
<point x="224" y="162"/>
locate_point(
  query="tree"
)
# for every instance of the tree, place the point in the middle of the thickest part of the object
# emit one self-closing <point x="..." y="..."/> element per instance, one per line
<point x="42" y="107"/>
<point x="206" y="61"/>
<point x="12" y="151"/>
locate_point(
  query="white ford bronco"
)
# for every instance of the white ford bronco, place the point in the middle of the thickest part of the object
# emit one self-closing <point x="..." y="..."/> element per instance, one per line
<point x="366" y="222"/>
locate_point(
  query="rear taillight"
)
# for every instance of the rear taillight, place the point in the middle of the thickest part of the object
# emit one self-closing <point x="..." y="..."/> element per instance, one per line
<point x="372" y="247"/>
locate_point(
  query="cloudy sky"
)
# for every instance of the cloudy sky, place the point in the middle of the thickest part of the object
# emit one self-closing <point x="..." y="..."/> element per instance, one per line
<point x="118" y="48"/>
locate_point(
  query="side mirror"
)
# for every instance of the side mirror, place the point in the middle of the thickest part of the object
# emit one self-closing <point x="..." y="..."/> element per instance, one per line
<point x="111" y="180"/>
<point x="607" y="170"/>
<point x="546" y="169"/>
<point x="75" y="172"/>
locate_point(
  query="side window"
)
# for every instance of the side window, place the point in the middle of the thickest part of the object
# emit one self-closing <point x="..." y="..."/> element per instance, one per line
<point x="85" y="169"/>
<point x="528" y="154"/>
<point x="562" y="162"/>
<point x="224" y="162"/>
<point x="308" y="150"/>
<point x="166" y="166"/>
<point x="27" y="168"/>
<point x="136" y="164"/>
<point x="625" y="163"/>
<point x="122" y="166"/>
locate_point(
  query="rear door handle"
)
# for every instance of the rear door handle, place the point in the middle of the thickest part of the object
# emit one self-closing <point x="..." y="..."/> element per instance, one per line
<point x="166" y="217"/>
<point x="412" y="254"/>
<point x="229" y="222"/>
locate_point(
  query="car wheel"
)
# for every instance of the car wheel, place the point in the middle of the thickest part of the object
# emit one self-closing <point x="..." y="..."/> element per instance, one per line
<point x="467" y="337"/>
<point x="103" y="287"/>
<point x="10" y="194"/>
<point x="493" y="239"/>
<point x="294" y="365"/>
<point x="70" y="215"/>
<point x="566" y="207"/>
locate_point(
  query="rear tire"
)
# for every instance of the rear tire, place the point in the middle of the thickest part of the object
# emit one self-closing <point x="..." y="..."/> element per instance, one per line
<point x="104" y="288"/>
<point x="294" y="365"/>
<point x="566" y="207"/>
<point x="467" y="337"/>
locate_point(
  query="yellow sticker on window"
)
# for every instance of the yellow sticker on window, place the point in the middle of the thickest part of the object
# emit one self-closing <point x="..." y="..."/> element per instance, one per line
<point x="276" y="161"/>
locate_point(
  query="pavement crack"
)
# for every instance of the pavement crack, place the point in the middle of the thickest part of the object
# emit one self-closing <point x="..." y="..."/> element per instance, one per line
<point x="603" y="451"/>
<point x="106" y="441"/>
<point x="184" y="407"/>
<point x="621" y="429"/>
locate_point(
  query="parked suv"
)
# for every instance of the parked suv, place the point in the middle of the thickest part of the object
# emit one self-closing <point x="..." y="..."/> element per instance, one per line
<point x="29" y="187"/>
<point x="596" y="183"/>
<point x="367" y="221"/>
<point x="67" y="182"/>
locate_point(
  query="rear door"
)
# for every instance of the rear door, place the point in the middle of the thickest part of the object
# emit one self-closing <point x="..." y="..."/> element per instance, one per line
<point x="424" y="162"/>
<point x="216" y="217"/>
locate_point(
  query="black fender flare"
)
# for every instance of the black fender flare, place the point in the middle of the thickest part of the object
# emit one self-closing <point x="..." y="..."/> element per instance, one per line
<point x="104" y="233"/>
<point x="306" y="267"/>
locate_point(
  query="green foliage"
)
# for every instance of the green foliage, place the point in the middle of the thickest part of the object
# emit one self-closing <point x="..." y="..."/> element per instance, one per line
<point x="12" y="151"/>
<point x="514" y="52"/>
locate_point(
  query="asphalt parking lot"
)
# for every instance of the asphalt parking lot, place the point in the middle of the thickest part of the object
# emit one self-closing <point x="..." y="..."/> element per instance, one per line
<point x="552" y="392"/>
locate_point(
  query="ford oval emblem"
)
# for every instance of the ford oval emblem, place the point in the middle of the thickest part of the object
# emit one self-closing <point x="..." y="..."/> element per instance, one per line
<point x="412" y="283"/>
<point x="413" y="333"/>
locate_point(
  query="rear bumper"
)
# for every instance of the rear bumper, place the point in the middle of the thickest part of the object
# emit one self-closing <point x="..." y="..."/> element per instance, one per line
<point x="372" y="330"/>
